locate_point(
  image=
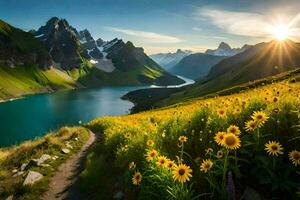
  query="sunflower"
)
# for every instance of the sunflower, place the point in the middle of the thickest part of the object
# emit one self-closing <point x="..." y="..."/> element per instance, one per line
<point x="151" y="154"/>
<point x="273" y="148"/>
<point x="182" y="139"/>
<point x="259" y="117"/>
<point x="137" y="178"/>
<point x="220" y="154"/>
<point x="221" y="112"/>
<point x="150" y="143"/>
<point x="231" y="141"/>
<point x="131" y="166"/>
<point x="295" y="157"/>
<point x="206" y="165"/>
<point x="219" y="137"/>
<point x="250" y="125"/>
<point x="182" y="173"/>
<point x="234" y="129"/>
<point x="170" y="164"/>
<point x="161" y="161"/>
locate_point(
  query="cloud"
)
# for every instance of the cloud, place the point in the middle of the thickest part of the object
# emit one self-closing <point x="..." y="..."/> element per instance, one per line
<point x="237" y="23"/>
<point x="150" y="37"/>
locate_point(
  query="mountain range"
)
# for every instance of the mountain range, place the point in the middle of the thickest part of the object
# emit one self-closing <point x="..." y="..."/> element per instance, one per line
<point x="58" y="56"/>
<point x="225" y="50"/>
<point x="258" y="62"/>
<point x="196" y="66"/>
<point x="169" y="60"/>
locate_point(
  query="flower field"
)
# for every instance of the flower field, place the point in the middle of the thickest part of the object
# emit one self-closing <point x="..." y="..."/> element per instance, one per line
<point x="241" y="146"/>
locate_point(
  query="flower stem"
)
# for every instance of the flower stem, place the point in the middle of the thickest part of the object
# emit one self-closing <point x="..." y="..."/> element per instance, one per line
<point x="225" y="169"/>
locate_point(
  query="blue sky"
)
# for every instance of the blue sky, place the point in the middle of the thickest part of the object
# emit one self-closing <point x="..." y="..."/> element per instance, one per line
<point x="161" y="25"/>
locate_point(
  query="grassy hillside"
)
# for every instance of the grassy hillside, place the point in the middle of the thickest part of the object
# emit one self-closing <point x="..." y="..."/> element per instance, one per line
<point x="51" y="144"/>
<point x="22" y="80"/>
<point x="238" y="165"/>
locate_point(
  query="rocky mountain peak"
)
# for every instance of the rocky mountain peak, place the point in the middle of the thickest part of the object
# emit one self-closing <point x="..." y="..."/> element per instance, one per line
<point x="224" y="46"/>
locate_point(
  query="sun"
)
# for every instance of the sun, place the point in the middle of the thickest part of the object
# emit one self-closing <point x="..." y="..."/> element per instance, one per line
<point x="280" y="32"/>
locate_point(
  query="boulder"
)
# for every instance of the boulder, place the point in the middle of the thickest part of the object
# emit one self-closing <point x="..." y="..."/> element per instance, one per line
<point x="66" y="151"/>
<point x="32" y="178"/>
<point x="27" y="166"/>
<point x="42" y="159"/>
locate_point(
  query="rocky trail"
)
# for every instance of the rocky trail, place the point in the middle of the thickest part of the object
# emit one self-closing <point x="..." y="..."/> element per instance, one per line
<point x="63" y="185"/>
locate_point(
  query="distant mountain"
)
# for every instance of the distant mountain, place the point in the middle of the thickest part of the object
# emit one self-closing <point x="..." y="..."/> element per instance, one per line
<point x="169" y="60"/>
<point x="225" y="50"/>
<point x="196" y="65"/>
<point x="26" y="66"/>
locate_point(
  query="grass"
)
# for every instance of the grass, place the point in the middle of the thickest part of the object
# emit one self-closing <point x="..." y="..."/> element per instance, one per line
<point x="22" y="80"/>
<point x="250" y="170"/>
<point x="51" y="144"/>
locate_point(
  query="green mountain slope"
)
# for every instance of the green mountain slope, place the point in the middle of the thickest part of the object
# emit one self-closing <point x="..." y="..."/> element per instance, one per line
<point x="25" y="66"/>
<point x="22" y="80"/>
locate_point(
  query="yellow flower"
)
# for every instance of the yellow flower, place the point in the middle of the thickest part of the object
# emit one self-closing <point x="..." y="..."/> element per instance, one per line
<point x="295" y="157"/>
<point x="151" y="154"/>
<point x="219" y="137"/>
<point x="150" y="143"/>
<point x="234" y="129"/>
<point x="260" y="118"/>
<point x="170" y="164"/>
<point x="161" y="161"/>
<point x="231" y="141"/>
<point x="273" y="148"/>
<point x="250" y="125"/>
<point x="182" y="139"/>
<point x="206" y="165"/>
<point x="221" y="112"/>
<point x="182" y="173"/>
<point x="208" y="150"/>
<point x="131" y="166"/>
<point x="220" y="154"/>
<point x="137" y="178"/>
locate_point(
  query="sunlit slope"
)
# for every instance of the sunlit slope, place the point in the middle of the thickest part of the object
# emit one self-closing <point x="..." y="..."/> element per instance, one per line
<point x="21" y="80"/>
<point x="126" y="140"/>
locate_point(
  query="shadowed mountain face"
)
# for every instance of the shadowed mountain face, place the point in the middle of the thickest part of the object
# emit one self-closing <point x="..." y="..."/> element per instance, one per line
<point x="225" y="50"/>
<point x="62" y="42"/>
<point x="20" y="48"/>
<point x="196" y="65"/>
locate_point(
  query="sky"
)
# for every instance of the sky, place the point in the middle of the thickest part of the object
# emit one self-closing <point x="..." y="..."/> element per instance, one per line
<point x="163" y="25"/>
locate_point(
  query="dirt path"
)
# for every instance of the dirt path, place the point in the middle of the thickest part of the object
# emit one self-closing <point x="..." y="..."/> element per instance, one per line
<point x="63" y="183"/>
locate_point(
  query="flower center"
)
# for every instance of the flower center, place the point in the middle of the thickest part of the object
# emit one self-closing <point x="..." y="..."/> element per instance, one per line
<point x="274" y="148"/>
<point x="181" y="172"/>
<point x="230" y="141"/>
<point x="297" y="156"/>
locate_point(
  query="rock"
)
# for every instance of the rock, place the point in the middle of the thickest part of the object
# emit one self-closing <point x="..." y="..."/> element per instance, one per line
<point x="45" y="165"/>
<point x="54" y="157"/>
<point x="27" y="166"/>
<point x="69" y="146"/>
<point x="14" y="171"/>
<point x="76" y="138"/>
<point x="119" y="195"/>
<point x="42" y="159"/>
<point x="11" y="197"/>
<point x="66" y="151"/>
<point x="32" y="178"/>
<point x="18" y="174"/>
